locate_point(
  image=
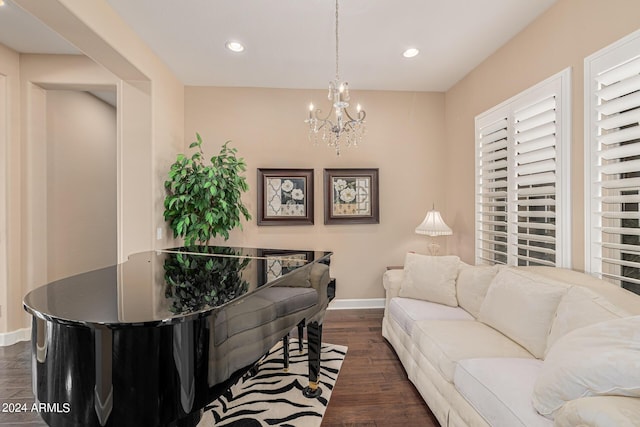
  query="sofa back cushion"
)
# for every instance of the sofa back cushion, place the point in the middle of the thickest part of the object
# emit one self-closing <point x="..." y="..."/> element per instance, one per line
<point x="430" y="278"/>
<point x="615" y="294"/>
<point x="472" y="285"/>
<point x="522" y="305"/>
<point x="581" y="307"/>
<point x="598" y="360"/>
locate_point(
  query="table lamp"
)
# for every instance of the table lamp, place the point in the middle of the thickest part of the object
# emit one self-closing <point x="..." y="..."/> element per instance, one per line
<point x="433" y="225"/>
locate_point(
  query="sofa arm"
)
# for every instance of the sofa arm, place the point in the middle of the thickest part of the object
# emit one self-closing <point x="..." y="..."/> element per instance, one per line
<point x="599" y="411"/>
<point x="391" y="281"/>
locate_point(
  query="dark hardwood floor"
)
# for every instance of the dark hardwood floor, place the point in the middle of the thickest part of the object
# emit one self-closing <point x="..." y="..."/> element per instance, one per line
<point x="15" y="387"/>
<point x="372" y="388"/>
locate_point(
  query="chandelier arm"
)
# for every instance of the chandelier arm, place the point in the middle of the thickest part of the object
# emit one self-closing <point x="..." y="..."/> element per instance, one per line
<point x="361" y="115"/>
<point x="316" y="116"/>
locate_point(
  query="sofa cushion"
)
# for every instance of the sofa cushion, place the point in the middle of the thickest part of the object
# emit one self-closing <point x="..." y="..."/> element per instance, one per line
<point x="430" y="278"/>
<point x="406" y="311"/>
<point x="445" y="342"/>
<point x="522" y="305"/>
<point x="600" y="359"/>
<point x="581" y="307"/>
<point x="617" y="295"/>
<point x="599" y="411"/>
<point x="500" y="390"/>
<point x="472" y="285"/>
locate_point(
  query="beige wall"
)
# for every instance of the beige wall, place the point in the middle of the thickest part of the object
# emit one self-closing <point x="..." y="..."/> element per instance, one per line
<point x="151" y="127"/>
<point x="38" y="74"/>
<point x="562" y="37"/>
<point x="81" y="183"/>
<point x="405" y="140"/>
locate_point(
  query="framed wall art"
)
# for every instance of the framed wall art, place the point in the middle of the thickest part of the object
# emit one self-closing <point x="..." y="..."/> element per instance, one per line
<point x="285" y="196"/>
<point x="351" y="196"/>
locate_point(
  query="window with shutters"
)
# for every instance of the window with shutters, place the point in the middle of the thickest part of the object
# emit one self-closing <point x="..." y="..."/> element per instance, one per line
<point x="612" y="135"/>
<point x="522" y="178"/>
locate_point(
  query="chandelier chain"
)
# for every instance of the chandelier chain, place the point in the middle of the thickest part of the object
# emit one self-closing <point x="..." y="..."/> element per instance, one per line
<point x="337" y="44"/>
<point x="338" y="128"/>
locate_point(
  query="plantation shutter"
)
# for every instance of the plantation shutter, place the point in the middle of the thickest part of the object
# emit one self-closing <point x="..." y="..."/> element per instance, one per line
<point x="535" y="186"/>
<point x="492" y="167"/>
<point x="522" y="165"/>
<point x="613" y="113"/>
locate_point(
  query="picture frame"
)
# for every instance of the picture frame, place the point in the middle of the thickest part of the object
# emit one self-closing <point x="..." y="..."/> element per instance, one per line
<point x="285" y="196"/>
<point x="351" y="196"/>
<point x="275" y="263"/>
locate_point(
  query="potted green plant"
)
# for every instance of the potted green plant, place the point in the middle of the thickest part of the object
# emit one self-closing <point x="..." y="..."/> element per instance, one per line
<point x="205" y="200"/>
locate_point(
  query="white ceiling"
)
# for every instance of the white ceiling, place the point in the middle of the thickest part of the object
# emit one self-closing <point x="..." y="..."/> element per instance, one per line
<point x="290" y="43"/>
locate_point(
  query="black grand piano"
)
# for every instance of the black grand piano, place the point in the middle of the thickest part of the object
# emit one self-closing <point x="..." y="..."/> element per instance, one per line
<point x="153" y="340"/>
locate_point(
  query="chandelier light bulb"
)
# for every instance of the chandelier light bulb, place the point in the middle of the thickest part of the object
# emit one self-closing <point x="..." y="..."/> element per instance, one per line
<point x="358" y="108"/>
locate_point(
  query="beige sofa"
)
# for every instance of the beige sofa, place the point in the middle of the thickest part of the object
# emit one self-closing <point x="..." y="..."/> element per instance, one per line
<point x="498" y="346"/>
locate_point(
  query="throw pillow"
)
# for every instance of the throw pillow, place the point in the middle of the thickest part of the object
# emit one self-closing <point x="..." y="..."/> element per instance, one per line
<point x="472" y="285"/>
<point x="521" y="305"/>
<point x="581" y="307"/>
<point x="597" y="360"/>
<point x="430" y="278"/>
<point x="599" y="411"/>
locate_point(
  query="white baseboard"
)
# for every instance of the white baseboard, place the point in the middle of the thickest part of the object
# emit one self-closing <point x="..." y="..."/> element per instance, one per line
<point x="10" y="338"/>
<point x="345" y="304"/>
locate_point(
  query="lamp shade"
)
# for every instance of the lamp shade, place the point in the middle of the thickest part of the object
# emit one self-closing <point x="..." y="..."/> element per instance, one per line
<point x="433" y="225"/>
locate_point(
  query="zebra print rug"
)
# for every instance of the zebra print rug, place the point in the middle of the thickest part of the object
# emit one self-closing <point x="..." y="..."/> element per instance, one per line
<point x="273" y="397"/>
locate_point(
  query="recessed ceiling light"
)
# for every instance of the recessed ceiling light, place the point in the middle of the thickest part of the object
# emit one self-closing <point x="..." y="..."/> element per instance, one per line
<point x="235" y="46"/>
<point x="410" y="53"/>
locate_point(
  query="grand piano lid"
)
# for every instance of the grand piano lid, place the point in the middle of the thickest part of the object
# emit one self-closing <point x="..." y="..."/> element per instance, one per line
<point x="168" y="286"/>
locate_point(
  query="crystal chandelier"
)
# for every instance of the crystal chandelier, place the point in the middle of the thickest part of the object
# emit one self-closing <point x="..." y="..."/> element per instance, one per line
<point x="338" y="128"/>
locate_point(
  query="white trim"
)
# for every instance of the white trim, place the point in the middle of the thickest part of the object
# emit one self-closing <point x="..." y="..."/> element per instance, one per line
<point x="559" y="85"/>
<point x="610" y="56"/>
<point x="347" y="304"/>
<point x="10" y="338"/>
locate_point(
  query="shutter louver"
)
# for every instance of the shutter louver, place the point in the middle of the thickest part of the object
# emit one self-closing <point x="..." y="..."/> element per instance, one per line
<point x="492" y="191"/>
<point x="615" y="168"/>
<point x="535" y="166"/>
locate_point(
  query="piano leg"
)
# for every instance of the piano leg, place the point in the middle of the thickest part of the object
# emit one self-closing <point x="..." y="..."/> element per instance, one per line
<point x="285" y="350"/>
<point x="314" y="338"/>
<point x="300" y="335"/>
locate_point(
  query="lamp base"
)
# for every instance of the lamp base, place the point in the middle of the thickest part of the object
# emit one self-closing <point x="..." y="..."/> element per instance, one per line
<point x="434" y="249"/>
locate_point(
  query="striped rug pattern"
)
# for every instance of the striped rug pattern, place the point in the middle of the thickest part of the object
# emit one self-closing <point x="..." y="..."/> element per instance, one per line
<point x="273" y="397"/>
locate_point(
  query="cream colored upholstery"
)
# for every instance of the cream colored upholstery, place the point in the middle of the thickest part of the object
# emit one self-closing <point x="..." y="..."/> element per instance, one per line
<point x="408" y="311"/>
<point x="500" y="390"/>
<point x="599" y="411"/>
<point x="522" y="306"/>
<point x="445" y="342"/>
<point x="432" y="350"/>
